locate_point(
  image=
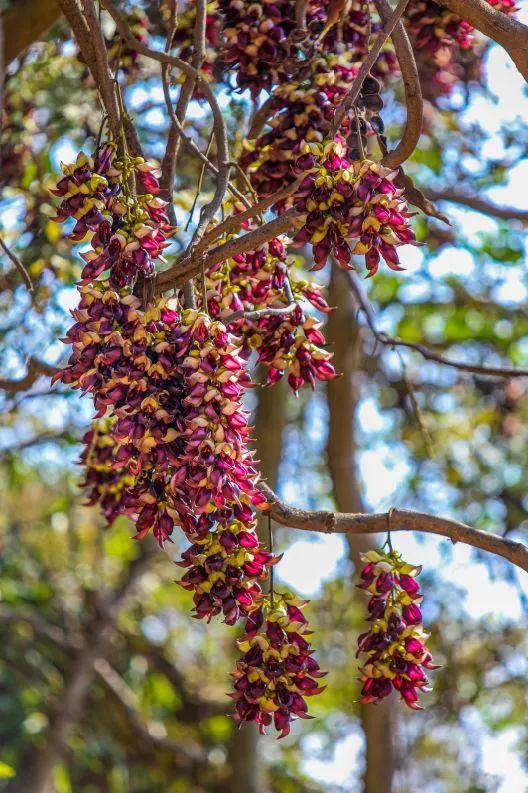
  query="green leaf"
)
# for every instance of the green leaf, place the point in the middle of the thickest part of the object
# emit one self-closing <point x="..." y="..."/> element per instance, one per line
<point x="6" y="772"/>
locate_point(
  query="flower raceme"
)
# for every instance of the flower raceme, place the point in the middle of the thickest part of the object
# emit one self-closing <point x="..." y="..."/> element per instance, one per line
<point x="174" y="386"/>
<point x="289" y="343"/>
<point x="276" y="670"/>
<point x="350" y="208"/>
<point x="127" y="233"/>
<point x="223" y="569"/>
<point x="437" y="29"/>
<point x="395" y="643"/>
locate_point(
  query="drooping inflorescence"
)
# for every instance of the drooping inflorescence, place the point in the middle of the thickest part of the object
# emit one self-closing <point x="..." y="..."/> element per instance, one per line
<point x="350" y="208"/>
<point x="169" y="444"/>
<point x="394" y="645"/>
<point x="276" y="670"/>
<point x="291" y="342"/>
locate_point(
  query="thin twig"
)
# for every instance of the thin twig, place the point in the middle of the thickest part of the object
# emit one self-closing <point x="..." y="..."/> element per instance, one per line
<point x="430" y="355"/>
<point x="19" y="264"/>
<point x="350" y="98"/>
<point x="254" y="316"/>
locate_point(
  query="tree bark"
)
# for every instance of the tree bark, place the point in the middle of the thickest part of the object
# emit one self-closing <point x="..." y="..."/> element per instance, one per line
<point x="26" y="21"/>
<point x="343" y="395"/>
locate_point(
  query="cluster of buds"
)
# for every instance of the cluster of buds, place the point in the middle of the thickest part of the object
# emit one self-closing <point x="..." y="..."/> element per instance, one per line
<point x="128" y="232"/>
<point x="223" y="569"/>
<point x="291" y="342"/>
<point x="276" y="670"/>
<point x="395" y="644"/>
<point x="350" y="208"/>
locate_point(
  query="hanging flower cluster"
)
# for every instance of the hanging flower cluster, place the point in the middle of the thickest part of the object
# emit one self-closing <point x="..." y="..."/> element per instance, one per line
<point x="256" y="40"/>
<point x="104" y="483"/>
<point x="303" y="110"/>
<point x="350" y="208"/>
<point x="290" y="342"/>
<point x="276" y="670"/>
<point x="437" y="33"/>
<point x="169" y="445"/>
<point x="222" y="570"/>
<point x="127" y="232"/>
<point x="395" y="644"/>
<point x="436" y="28"/>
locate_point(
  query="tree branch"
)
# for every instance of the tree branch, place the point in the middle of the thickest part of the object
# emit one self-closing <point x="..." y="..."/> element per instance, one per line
<point x="413" y="90"/>
<point x="190" y="265"/>
<point x="35" y="370"/>
<point x="401" y="520"/>
<point x="350" y="98"/>
<point x="425" y="352"/>
<point x="19" y="264"/>
<point x="454" y="196"/>
<point x="505" y="30"/>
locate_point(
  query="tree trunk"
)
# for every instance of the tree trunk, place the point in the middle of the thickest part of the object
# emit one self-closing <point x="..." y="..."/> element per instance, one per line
<point x="344" y="335"/>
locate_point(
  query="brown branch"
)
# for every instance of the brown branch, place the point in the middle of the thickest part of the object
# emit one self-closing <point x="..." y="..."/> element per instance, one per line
<point x="413" y="91"/>
<point x="454" y="196"/>
<point x="24" y="22"/>
<point x="401" y="520"/>
<point x="35" y="369"/>
<point x="261" y="117"/>
<point x="254" y="316"/>
<point x="162" y="57"/>
<point x="184" y="753"/>
<point x="300" y="13"/>
<point x="505" y="30"/>
<point x="19" y="264"/>
<point x="188" y="267"/>
<point x="351" y="96"/>
<point x="89" y="42"/>
<point x="234" y="222"/>
<point x="425" y="352"/>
